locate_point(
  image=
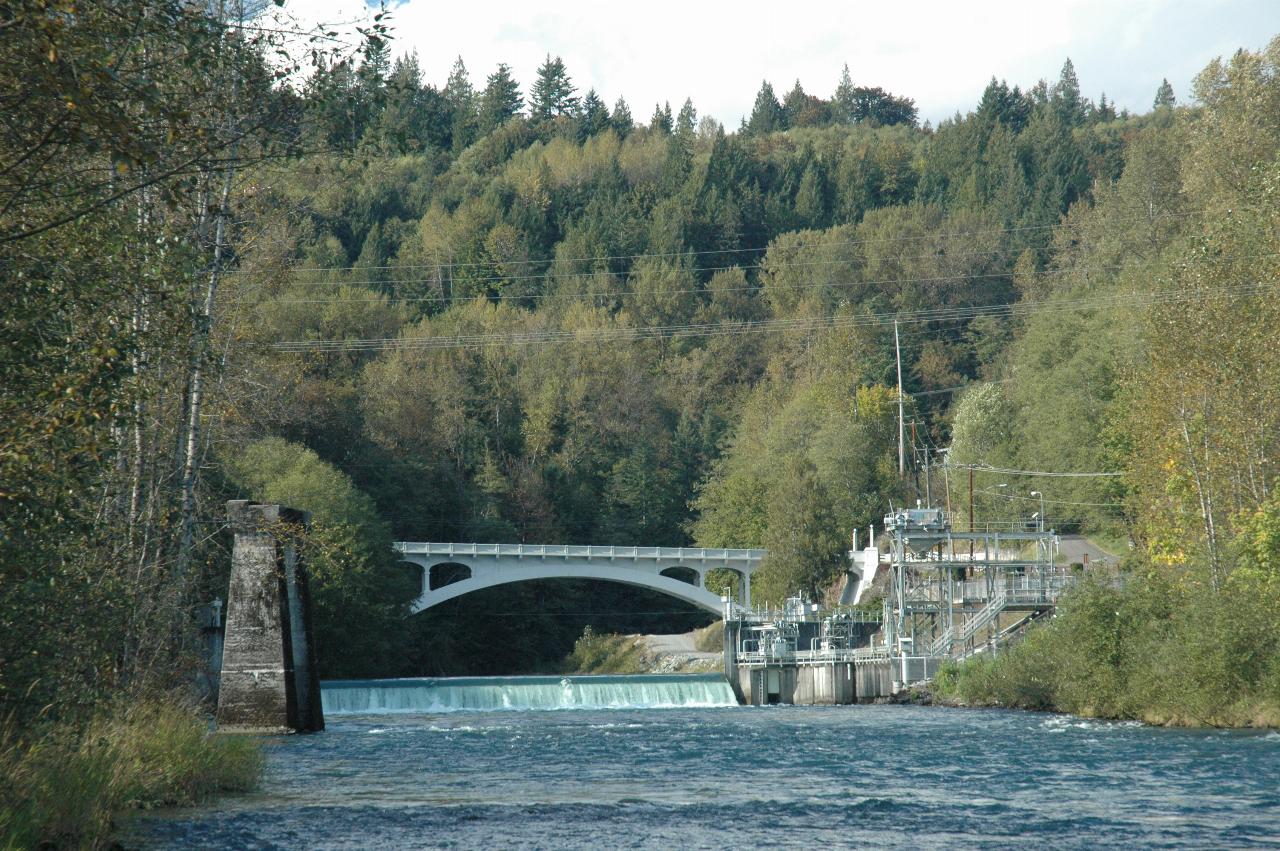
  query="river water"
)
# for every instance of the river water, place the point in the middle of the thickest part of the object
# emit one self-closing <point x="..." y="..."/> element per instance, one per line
<point x="537" y="763"/>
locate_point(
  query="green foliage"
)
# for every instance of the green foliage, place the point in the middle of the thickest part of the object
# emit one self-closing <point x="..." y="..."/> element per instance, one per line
<point x="1151" y="650"/>
<point x="359" y="596"/>
<point x="604" y="654"/>
<point x="431" y="234"/>
<point x="552" y="92"/>
<point x="63" y="786"/>
<point x="710" y="639"/>
<point x="806" y="464"/>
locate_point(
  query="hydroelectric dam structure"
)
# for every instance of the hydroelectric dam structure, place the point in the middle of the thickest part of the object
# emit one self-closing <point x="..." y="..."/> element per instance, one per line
<point x="947" y="595"/>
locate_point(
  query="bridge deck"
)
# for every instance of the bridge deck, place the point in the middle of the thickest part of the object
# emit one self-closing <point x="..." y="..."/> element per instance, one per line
<point x="575" y="551"/>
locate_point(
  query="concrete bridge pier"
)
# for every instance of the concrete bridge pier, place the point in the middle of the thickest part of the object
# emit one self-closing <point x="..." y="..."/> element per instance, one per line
<point x="269" y="680"/>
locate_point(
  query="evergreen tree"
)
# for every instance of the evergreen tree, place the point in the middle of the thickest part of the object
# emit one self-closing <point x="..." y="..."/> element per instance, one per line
<point x="501" y="100"/>
<point x="811" y="197"/>
<point x="403" y="124"/>
<point x="687" y="120"/>
<point x="842" y="105"/>
<point x="371" y="79"/>
<point x="1106" y="111"/>
<point x="1066" y="96"/>
<point x="595" y="115"/>
<point x="766" y="115"/>
<point x="1000" y="103"/>
<point x="621" y="120"/>
<point x="552" y="94"/>
<point x="795" y="104"/>
<point x="661" y="122"/>
<point x="679" y="160"/>
<point x="461" y="97"/>
<point x="1164" y="96"/>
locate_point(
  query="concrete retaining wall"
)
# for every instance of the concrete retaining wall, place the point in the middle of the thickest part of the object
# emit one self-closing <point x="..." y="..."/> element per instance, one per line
<point x="831" y="684"/>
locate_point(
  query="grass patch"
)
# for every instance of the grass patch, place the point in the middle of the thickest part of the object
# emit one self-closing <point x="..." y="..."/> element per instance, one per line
<point x="62" y="786"/>
<point x="594" y="653"/>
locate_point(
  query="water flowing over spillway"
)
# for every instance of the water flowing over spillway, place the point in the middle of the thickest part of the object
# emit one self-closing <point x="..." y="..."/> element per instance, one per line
<point x="471" y="694"/>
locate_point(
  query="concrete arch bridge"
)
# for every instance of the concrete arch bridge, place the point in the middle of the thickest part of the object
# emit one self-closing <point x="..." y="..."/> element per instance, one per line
<point x="451" y="570"/>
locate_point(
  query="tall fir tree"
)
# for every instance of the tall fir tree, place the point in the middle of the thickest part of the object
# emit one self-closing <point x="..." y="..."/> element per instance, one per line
<point x="794" y="104"/>
<point x="661" y="122"/>
<point x="1066" y="97"/>
<point x="621" y="120"/>
<point x="461" y="96"/>
<point x="595" y="115"/>
<point x="686" y="120"/>
<point x="1164" y="96"/>
<point x="842" y="104"/>
<point x="501" y="100"/>
<point x="766" y="115"/>
<point x="403" y="124"/>
<point x="552" y="93"/>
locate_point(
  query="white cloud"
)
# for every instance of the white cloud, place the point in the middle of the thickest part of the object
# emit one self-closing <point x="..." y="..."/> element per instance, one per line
<point x="940" y="53"/>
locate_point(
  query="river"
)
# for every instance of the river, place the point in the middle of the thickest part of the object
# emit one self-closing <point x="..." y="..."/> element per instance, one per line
<point x="671" y="763"/>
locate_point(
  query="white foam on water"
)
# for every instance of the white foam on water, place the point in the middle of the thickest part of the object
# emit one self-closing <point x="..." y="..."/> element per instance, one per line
<point x="497" y="694"/>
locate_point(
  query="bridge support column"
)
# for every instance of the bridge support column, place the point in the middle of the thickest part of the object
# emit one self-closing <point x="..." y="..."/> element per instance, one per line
<point x="269" y="677"/>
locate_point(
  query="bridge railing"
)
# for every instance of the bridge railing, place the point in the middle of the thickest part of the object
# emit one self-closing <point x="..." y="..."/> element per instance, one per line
<point x="583" y="551"/>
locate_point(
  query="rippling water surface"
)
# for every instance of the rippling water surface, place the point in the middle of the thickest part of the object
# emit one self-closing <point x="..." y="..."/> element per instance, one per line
<point x="737" y="777"/>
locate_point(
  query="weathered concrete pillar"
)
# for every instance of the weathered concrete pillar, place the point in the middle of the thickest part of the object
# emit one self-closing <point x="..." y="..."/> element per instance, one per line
<point x="269" y="677"/>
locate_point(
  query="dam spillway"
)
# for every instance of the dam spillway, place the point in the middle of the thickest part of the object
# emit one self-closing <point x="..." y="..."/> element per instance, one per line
<point x="484" y="694"/>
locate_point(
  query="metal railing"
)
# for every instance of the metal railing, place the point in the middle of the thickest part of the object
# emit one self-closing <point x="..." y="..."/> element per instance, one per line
<point x="701" y="554"/>
<point x="821" y="656"/>
<point x="1014" y="590"/>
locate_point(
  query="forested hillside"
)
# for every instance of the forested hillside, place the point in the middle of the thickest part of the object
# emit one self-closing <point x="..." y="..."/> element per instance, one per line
<point x="504" y="310"/>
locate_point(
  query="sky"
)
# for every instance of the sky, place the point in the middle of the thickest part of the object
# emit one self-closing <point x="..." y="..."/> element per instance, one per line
<point x="941" y="54"/>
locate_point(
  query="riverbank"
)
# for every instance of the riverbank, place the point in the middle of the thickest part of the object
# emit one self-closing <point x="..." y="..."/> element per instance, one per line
<point x="695" y="652"/>
<point x="1154" y="651"/>
<point x="64" y="785"/>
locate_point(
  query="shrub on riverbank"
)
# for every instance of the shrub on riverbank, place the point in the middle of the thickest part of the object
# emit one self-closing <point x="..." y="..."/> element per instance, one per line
<point x="1157" y="649"/>
<point x="62" y="785"/>
<point x="710" y="639"/>
<point x="594" y="653"/>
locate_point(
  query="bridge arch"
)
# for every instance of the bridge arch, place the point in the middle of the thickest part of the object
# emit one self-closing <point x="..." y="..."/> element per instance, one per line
<point x="452" y="570"/>
<point x="446" y="573"/>
<point x="683" y="574"/>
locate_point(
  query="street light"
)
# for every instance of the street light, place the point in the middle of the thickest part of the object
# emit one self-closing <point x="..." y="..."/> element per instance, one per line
<point x="1040" y="524"/>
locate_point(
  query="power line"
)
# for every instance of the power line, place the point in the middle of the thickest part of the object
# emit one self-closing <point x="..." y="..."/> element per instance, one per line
<point x="958" y="387"/>
<point x="611" y="334"/>
<point x="375" y="296"/>
<point x="990" y="492"/>
<point x="1005" y="471"/>
<point x="933" y="235"/>
<point x="694" y="270"/>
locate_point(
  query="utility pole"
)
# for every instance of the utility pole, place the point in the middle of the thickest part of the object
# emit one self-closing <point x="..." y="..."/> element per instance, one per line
<point x="897" y="351"/>
<point x="970" y="517"/>
<point x="928" y="491"/>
